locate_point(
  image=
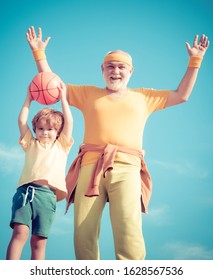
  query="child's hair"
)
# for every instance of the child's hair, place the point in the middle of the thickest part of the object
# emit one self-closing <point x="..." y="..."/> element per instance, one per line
<point x="53" y="118"/>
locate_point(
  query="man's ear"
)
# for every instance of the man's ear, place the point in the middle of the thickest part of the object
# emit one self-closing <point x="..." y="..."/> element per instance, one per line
<point x="132" y="70"/>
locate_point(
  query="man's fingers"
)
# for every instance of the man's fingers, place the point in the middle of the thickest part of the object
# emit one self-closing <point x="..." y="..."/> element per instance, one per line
<point x="39" y="33"/>
<point x="195" y="41"/>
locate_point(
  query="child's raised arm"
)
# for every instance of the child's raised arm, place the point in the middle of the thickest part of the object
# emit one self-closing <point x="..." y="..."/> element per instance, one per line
<point x="68" y="119"/>
<point x="23" y="116"/>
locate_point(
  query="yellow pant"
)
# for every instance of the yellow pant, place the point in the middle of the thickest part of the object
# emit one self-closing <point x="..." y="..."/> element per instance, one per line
<point x="122" y="186"/>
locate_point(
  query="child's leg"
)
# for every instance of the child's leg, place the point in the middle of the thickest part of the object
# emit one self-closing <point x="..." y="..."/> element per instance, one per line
<point x="17" y="242"/>
<point x="44" y="208"/>
<point x="38" y="247"/>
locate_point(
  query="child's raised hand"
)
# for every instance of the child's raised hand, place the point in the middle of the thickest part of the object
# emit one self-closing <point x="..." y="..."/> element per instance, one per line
<point x="63" y="90"/>
<point x="35" y="41"/>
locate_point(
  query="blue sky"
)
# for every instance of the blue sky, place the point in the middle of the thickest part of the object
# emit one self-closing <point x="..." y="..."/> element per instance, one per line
<point x="178" y="140"/>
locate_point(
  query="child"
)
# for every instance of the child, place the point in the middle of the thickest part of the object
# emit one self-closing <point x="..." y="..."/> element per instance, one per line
<point x="42" y="182"/>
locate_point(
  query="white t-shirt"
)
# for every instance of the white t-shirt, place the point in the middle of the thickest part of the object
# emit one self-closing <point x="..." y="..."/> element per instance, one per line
<point x="46" y="163"/>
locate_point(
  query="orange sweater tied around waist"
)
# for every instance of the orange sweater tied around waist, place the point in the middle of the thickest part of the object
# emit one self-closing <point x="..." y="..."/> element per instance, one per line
<point x="103" y="165"/>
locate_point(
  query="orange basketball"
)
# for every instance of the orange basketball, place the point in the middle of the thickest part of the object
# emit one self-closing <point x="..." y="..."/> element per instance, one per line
<point x="44" y="88"/>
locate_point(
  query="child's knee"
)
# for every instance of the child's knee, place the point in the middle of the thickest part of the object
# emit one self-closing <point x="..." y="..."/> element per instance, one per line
<point x="38" y="242"/>
<point x="20" y="232"/>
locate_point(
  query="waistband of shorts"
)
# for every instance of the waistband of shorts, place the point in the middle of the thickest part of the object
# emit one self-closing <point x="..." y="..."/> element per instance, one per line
<point x="37" y="186"/>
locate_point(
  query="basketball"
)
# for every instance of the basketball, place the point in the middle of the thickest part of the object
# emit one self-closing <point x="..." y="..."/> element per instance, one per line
<point x="44" y="88"/>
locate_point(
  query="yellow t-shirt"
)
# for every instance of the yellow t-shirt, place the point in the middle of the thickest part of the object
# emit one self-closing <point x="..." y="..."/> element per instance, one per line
<point x="45" y="163"/>
<point x="118" y="121"/>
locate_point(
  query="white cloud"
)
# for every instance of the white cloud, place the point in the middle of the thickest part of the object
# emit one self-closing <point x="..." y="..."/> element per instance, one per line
<point x="181" y="251"/>
<point x="186" y="168"/>
<point x="156" y="213"/>
<point x="11" y="159"/>
<point x="158" y="216"/>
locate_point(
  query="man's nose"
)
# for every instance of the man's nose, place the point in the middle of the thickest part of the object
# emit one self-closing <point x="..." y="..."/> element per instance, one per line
<point x="116" y="70"/>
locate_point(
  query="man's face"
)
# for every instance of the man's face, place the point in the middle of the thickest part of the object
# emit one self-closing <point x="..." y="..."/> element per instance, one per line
<point x="116" y="74"/>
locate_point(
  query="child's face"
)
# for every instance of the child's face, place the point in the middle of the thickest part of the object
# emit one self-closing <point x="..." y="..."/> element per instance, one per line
<point x="45" y="133"/>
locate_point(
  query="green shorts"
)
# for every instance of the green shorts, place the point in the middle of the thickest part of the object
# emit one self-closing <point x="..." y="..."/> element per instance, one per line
<point x="34" y="206"/>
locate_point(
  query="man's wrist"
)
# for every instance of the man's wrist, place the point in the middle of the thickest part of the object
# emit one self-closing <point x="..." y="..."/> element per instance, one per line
<point x="195" y="61"/>
<point x="38" y="54"/>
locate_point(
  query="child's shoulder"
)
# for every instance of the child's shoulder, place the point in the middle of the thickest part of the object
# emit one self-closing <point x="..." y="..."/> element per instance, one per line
<point x="65" y="142"/>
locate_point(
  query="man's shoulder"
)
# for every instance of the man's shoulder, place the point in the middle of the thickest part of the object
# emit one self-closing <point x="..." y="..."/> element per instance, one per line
<point x="149" y="91"/>
<point x="141" y="90"/>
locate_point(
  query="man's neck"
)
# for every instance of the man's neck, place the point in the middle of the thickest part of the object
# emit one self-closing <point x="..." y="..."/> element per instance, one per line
<point x="116" y="93"/>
